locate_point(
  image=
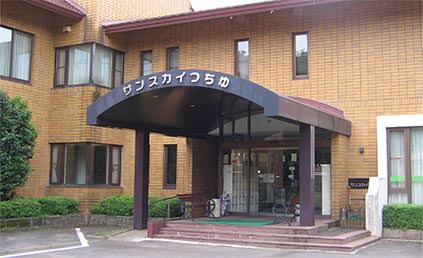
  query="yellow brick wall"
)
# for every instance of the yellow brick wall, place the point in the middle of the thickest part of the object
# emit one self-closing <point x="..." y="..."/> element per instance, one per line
<point x="365" y="58"/>
<point x="59" y="114"/>
<point x="339" y="173"/>
<point x="35" y="93"/>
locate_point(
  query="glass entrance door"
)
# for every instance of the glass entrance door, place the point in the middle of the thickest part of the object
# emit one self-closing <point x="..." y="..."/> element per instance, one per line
<point x="273" y="171"/>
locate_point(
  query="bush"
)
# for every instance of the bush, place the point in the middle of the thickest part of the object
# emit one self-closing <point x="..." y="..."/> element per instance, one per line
<point x="20" y="208"/>
<point x="37" y="207"/>
<point x="118" y="205"/>
<point x="123" y="206"/>
<point x="158" y="209"/>
<point x="17" y="141"/>
<point x="54" y="205"/>
<point x="403" y="216"/>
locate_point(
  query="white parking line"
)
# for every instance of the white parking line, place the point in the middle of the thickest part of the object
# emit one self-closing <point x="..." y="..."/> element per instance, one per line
<point x="81" y="237"/>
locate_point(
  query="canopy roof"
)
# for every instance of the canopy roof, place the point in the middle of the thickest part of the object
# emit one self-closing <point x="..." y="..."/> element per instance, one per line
<point x="191" y="102"/>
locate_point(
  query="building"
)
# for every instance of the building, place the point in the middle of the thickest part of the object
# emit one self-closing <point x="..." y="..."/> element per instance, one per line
<point x="274" y="78"/>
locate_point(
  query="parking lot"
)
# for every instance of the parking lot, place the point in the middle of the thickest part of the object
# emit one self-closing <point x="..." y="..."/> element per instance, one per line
<point x="121" y="242"/>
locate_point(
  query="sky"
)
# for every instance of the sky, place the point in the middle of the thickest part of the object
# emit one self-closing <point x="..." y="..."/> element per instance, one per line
<point x="199" y="5"/>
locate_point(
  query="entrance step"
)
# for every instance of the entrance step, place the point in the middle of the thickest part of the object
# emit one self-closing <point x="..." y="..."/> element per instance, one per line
<point x="276" y="229"/>
<point x="272" y="236"/>
<point x="349" y="247"/>
<point x="248" y="235"/>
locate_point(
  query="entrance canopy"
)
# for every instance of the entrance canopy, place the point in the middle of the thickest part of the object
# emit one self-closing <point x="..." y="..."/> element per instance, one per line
<point x="191" y="103"/>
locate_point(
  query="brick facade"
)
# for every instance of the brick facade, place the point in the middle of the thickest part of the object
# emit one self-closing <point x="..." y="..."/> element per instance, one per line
<point x="365" y="57"/>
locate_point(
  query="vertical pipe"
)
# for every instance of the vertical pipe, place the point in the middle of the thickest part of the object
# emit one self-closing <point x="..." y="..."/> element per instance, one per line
<point x="141" y="180"/>
<point x="249" y="160"/>
<point x="233" y="129"/>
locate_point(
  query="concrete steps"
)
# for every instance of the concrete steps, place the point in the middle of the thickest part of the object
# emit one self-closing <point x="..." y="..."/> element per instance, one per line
<point x="224" y="234"/>
<point x="272" y="236"/>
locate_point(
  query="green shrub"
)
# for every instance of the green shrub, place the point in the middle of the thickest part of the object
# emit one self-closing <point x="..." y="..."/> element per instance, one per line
<point x="121" y="205"/>
<point x="17" y="142"/>
<point x="159" y="209"/>
<point x="20" y="208"/>
<point x="118" y="205"/>
<point x="403" y="216"/>
<point x="55" y="205"/>
<point x="37" y="207"/>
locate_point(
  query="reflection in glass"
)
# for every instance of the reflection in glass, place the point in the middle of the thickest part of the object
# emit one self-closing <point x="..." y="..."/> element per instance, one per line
<point x="147" y="63"/>
<point x="243" y="54"/>
<point x="301" y="55"/>
<point x="5" y="49"/>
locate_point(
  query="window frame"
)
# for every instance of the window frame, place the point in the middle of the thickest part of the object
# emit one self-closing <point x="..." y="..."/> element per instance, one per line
<point x="236" y="59"/>
<point x="168" y="50"/>
<point x="10" y="78"/>
<point x="294" y="59"/>
<point x="142" y="53"/>
<point x="165" y="166"/>
<point x="407" y="159"/>
<point x="92" y="65"/>
<point x="89" y="163"/>
<point x="110" y="168"/>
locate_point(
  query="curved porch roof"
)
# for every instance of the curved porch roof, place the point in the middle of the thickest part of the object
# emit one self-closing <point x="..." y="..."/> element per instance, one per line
<point x="191" y="102"/>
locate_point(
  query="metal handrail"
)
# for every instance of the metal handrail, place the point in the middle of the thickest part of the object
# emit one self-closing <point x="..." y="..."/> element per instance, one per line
<point x="164" y="199"/>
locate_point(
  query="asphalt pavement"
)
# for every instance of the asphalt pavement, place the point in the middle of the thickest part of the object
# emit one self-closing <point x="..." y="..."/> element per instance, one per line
<point x="120" y="242"/>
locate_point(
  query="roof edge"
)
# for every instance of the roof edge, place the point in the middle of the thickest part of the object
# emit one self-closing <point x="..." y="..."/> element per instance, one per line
<point x="125" y="26"/>
<point x="76" y="14"/>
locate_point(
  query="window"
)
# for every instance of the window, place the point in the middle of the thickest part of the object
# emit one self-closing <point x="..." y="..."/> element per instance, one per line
<point x="73" y="66"/>
<point x="146" y="62"/>
<point x="79" y="64"/>
<point x="242" y="58"/>
<point x="300" y="58"/>
<point x="15" y="52"/>
<point x="405" y="163"/>
<point x="85" y="164"/>
<point x="170" y="166"/>
<point x="172" y="58"/>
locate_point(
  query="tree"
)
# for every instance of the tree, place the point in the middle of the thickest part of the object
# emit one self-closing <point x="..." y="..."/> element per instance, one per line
<point x="17" y="142"/>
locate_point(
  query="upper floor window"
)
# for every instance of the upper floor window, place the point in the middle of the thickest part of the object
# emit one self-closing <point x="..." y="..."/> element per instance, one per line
<point x="170" y="166"/>
<point x="300" y="58"/>
<point x="242" y="58"/>
<point x="405" y="165"/>
<point x="15" y="53"/>
<point x="172" y="58"/>
<point x="88" y="63"/>
<point x="85" y="164"/>
<point x="146" y="62"/>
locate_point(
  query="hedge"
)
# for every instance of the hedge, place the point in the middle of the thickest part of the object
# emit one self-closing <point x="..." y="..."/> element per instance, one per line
<point x="118" y="205"/>
<point x="403" y="216"/>
<point x="121" y="205"/>
<point x="37" y="207"/>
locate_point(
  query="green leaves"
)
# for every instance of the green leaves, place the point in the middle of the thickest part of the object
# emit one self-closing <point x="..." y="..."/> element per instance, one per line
<point x="37" y="207"/>
<point x="17" y="142"/>
<point x="118" y="205"/>
<point x="121" y="205"/>
<point x="403" y="216"/>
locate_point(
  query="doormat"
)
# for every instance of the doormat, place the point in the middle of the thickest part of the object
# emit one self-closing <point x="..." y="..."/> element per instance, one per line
<point x="235" y="222"/>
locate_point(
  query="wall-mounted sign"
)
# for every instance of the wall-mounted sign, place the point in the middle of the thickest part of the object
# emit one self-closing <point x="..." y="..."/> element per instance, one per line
<point x="358" y="183"/>
<point x="172" y="78"/>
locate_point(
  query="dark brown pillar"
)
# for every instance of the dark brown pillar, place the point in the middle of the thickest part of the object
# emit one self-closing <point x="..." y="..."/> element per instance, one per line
<point x="307" y="191"/>
<point x="142" y="172"/>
